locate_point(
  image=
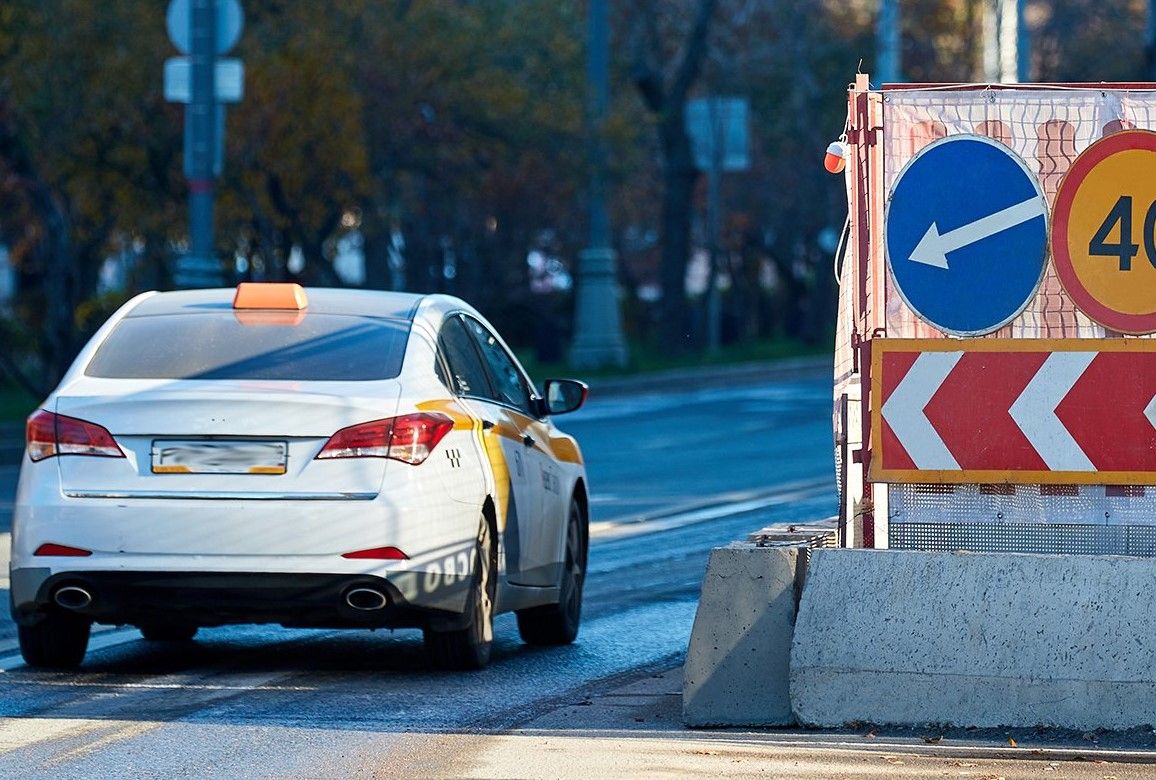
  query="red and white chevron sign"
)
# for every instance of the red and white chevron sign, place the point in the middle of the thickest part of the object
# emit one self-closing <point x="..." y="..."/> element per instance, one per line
<point x="1014" y="410"/>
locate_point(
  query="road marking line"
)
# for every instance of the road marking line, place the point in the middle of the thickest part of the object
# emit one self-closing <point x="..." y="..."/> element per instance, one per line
<point x="10" y="657"/>
<point x="81" y="683"/>
<point x="16" y="733"/>
<point x="5" y="558"/>
<point x="115" y="731"/>
<point x="627" y="527"/>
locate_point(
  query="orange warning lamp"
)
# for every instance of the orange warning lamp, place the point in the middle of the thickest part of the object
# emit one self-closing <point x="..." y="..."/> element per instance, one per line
<point x="836" y="158"/>
<point x="270" y="295"/>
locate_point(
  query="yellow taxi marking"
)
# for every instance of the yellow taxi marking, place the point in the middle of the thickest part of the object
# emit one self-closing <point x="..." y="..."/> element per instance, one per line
<point x="497" y="459"/>
<point x="566" y="450"/>
<point x="266" y="469"/>
<point x="463" y="421"/>
<point x="172" y="470"/>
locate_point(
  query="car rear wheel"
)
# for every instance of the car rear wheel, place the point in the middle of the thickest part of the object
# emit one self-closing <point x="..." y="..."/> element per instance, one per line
<point x="557" y="624"/>
<point x="468" y="648"/>
<point x="168" y="632"/>
<point x="59" y="641"/>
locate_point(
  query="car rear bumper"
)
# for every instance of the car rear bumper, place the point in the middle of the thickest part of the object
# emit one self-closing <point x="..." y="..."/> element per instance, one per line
<point x="219" y="598"/>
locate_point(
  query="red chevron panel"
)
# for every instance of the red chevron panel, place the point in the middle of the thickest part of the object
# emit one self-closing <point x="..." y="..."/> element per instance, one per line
<point x="970" y="411"/>
<point x="1105" y="411"/>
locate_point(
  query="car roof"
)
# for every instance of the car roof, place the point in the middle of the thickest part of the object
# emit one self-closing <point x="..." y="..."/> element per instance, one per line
<point x="322" y="300"/>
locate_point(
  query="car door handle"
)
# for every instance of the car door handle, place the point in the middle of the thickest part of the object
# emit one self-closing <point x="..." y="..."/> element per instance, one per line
<point x="487" y="425"/>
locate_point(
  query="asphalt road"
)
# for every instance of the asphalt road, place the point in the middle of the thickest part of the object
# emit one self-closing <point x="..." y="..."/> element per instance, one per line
<point x="673" y="475"/>
<point x="667" y="471"/>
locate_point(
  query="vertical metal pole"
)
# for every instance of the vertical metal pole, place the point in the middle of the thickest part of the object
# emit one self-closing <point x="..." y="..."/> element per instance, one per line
<point x="713" y="210"/>
<point x="1150" y="44"/>
<point x="990" y="10"/>
<point x="887" y="42"/>
<point x="598" y="330"/>
<point x="1023" y="45"/>
<point x="201" y="127"/>
<point x="1008" y="41"/>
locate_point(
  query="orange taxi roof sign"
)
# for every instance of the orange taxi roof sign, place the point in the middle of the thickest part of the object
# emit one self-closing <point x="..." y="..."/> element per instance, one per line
<point x="270" y="295"/>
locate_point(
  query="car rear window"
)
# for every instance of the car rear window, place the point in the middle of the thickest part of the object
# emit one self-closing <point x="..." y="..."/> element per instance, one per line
<point x="217" y="345"/>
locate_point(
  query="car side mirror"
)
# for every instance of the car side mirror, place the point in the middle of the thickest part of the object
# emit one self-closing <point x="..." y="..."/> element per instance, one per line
<point x="564" y="395"/>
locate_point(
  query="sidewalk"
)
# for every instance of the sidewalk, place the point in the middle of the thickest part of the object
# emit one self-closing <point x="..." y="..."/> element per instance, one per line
<point x="635" y="730"/>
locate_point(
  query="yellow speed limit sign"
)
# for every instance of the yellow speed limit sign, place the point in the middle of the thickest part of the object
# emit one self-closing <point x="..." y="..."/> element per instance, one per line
<point x="1104" y="231"/>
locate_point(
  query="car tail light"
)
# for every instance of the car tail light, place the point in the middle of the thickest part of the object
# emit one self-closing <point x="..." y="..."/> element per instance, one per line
<point x="379" y="553"/>
<point x="51" y="548"/>
<point x="51" y="434"/>
<point x="409" y="438"/>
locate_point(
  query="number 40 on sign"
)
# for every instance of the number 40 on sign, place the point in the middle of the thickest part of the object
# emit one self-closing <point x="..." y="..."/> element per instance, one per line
<point x="1108" y="193"/>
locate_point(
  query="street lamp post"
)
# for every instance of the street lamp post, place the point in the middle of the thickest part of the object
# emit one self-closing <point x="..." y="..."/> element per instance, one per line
<point x="598" y="338"/>
<point x="201" y="129"/>
<point x="887" y="42"/>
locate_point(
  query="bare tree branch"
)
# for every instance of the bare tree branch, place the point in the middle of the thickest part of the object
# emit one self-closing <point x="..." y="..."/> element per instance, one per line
<point x="693" y="54"/>
<point x="645" y="70"/>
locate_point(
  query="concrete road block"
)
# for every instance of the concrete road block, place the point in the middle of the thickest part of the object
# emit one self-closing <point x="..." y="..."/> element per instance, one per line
<point x="976" y="639"/>
<point x="736" y="671"/>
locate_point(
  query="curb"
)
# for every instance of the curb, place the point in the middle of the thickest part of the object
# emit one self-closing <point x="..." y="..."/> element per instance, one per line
<point x="648" y="707"/>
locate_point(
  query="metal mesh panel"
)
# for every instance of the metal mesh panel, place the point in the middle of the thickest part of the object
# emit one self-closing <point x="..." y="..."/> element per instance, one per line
<point x="1048" y="129"/>
<point x="1070" y="519"/>
<point x="1030" y="504"/>
<point x="1069" y="539"/>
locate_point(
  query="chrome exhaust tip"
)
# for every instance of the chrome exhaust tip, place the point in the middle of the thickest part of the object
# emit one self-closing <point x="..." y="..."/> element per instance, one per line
<point x="72" y="597"/>
<point x="366" y="599"/>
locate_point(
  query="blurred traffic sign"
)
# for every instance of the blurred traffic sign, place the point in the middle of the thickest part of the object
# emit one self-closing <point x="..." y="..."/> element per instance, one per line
<point x="719" y="133"/>
<point x="1104" y="236"/>
<point x="1024" y="411"/>
<point x="229" y="23"/>
<point x="229" y="80"/>
<point x="191" y="271"/>
<point x="966" y="234"/>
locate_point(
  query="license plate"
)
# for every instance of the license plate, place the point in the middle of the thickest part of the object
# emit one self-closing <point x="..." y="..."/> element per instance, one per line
<point x="219" y="457"/>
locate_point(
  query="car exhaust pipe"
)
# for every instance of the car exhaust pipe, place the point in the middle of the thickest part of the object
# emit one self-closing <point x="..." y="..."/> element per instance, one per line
<point x="366" y="599"/>
<point x="72" y="597"/>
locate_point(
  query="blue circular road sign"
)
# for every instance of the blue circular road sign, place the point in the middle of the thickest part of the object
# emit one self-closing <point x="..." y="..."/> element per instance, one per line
<point x="966" y="234"/>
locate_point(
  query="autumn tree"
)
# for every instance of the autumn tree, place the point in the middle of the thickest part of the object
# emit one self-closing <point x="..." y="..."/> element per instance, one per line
<point x="89" y="149"/>
<point x="668" y="49"/>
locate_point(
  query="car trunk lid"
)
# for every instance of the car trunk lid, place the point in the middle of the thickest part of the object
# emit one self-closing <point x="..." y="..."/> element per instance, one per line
<point x="224" y="438"/>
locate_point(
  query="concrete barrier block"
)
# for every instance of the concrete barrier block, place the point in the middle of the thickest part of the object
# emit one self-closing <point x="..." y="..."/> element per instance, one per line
<point x="736" y="671"/>
<point x="975" y="639"/>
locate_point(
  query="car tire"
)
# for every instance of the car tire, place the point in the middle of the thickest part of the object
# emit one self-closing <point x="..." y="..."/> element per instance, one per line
<point x="58" y="641"/>
<point x="468" y="648"/>
<point x="168" y="632"/>
<point x="557" y="624"/>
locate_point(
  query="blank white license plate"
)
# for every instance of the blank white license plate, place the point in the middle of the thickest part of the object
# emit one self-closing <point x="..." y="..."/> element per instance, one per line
<point x="219" y="457"/>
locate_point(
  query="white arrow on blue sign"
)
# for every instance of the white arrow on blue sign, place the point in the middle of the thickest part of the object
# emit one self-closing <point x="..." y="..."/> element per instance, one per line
<point x="966" y="234"/>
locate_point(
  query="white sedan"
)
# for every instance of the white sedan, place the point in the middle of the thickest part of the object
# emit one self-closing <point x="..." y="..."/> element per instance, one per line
<point x="309" y="458"/>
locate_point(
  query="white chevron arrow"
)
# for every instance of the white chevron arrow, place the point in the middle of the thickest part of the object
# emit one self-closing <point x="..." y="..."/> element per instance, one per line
<point x="903" y="411"/>
<point x="932" y="249"/>
<point x="1035" y="411"/>
<point x="1150" y="411"/>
